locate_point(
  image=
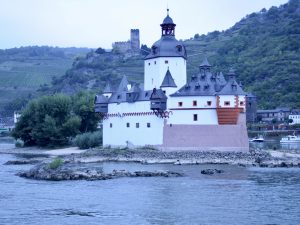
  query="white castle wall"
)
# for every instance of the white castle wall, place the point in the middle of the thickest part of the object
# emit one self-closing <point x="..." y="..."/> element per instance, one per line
<point x="155" y="71"/>
<point x="121" y="135"/>
<point x="185" y="114"/>
<point x="231" y="99"/>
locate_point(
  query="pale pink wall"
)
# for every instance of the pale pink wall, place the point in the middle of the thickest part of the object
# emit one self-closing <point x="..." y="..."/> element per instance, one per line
<point x="207" y="137"/>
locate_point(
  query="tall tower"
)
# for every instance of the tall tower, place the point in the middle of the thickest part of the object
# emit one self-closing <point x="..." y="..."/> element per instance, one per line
<point x="166" y="54"/>
<point x="135" y="39"/>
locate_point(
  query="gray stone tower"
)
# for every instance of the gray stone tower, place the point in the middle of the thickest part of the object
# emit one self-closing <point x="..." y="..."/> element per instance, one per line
<point x="251" y="108"/>
<point x="135" y="40"/>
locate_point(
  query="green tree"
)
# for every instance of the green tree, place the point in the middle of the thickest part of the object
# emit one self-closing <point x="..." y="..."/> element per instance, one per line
<point x="48" y="121"/>
<point x="83" y="106"/>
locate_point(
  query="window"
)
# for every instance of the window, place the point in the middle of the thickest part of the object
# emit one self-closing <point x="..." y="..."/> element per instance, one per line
<point x="110" y="125"/>
<point x="166" y="61"/>
<point x="154" y="62"/>
<point x="195" y="116"/>
<point x="148" y="125"/>
<point x="208" y="103"/>
<point x="119" y="96"/>
<point x="164" y="92"/>
<point x="137" y="125"/>
<point x="194" y="103"/>
<point x="241" y="103"/>
<point x="127" y="124"/>
<point x="146" y="94"/>
<point x="180" y="104"/>
<point x="227" y="103"/>
<point x="149" y="64"/>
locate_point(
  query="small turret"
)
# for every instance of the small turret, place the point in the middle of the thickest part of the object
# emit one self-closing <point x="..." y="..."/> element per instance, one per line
<point x="204" y="66"/>
<point x="101" y="104"/>
<point x="158" y="100"/>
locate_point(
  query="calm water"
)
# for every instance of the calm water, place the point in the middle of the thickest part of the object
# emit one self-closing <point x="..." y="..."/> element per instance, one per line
<point x="239" y="196"/>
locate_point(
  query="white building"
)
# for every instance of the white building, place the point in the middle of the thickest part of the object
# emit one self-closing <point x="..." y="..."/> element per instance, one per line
<point x="169" y="113"/>
<point x="295" y="116"/>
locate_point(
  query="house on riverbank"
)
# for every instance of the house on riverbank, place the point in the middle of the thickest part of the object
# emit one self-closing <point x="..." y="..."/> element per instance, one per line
<point x="168" y="112"/>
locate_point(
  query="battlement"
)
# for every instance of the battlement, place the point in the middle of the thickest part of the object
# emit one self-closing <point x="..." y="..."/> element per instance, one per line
<point x="133" y="45"/>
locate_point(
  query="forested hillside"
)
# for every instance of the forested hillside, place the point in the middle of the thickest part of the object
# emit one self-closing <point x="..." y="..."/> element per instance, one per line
<point x="263" y="48"/>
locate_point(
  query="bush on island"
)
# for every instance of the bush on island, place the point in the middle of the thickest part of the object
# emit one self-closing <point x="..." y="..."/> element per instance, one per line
<point x="88" y="140"/>
<point x="19" y="143"/>
<point x="57" y="162"/>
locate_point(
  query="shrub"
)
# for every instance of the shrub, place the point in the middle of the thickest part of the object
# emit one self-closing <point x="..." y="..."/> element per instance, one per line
<point x="88" y="140"/>
<point x="57" y="162"/>
<point x="19" y="143"/>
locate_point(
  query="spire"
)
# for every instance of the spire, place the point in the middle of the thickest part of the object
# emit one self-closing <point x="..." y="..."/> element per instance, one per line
<point x="108" y="88"/>
<point x="205" y="63"/>
<point x="231" y="74"/>
<point x="168" y="26"/>
<point x="123" y="84"/>
<point x="168" y="80"/>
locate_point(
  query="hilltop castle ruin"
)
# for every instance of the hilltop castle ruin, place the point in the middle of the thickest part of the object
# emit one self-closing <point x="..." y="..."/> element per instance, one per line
<point x="130" y="46"/>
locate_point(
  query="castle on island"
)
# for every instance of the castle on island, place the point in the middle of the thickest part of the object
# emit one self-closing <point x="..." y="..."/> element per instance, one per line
<point x="208" y="112"/>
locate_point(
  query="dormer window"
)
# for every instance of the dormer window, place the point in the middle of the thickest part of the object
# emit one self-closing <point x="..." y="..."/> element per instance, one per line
<point x="194" y="78"/>
<point x="234" y="87"/>
<point x="179" y="48"/>
<point x="206" y="86"/>
<point x="197" y="87"/>
<point x="154" y="49"/>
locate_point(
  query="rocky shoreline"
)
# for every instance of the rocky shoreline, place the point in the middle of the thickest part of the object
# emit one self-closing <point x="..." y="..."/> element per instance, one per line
<point x="71" y="168"/>
<point x="260" y="158"/>
<point x="43" y="172"/>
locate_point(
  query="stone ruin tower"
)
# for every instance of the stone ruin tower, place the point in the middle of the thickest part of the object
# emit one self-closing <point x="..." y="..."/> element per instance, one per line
<point x="135" y="40"/>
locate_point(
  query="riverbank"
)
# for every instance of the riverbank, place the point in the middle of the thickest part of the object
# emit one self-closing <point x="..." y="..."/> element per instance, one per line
<point x="261" y="158"/>
<point x="10" y="149"/>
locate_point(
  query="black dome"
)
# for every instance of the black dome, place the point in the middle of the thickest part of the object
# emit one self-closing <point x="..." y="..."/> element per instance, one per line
<point x="168" y="20"/>
<point x="167" y="46"/>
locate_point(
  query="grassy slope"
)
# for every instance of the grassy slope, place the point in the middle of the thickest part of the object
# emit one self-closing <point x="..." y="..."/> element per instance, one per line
<point x="24" y="70"/>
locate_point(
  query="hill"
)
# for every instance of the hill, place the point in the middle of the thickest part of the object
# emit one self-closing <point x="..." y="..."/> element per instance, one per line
<point x="263" y="47"/>
<point x="26" y="69"/>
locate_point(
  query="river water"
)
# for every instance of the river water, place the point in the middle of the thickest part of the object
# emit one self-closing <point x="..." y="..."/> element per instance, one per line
<point x="238" y="196"/>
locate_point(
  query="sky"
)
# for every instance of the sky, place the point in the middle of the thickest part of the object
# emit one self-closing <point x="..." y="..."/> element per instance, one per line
<point x="98" y="23"/>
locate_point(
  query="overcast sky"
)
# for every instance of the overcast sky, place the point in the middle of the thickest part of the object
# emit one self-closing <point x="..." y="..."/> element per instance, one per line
<point x="98" y="23"/>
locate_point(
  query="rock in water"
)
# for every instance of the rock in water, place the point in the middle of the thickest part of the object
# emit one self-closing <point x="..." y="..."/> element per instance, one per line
<point x="43" y="172"/>
<point x="211" y="171"/>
